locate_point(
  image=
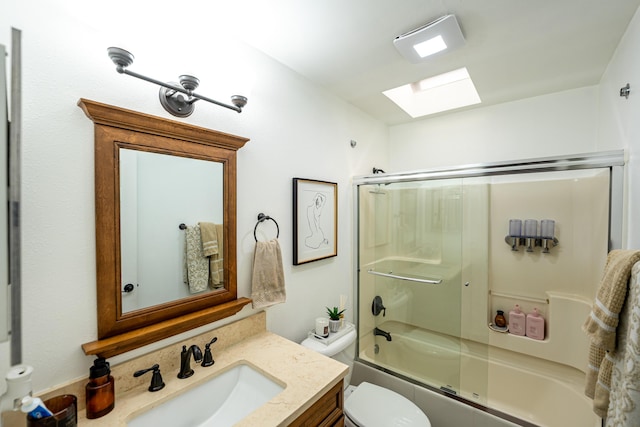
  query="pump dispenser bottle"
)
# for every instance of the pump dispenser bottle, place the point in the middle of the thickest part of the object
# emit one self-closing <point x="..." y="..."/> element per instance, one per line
<point x="535" y="325"/>
<point x="517" y="321"/>
<point x="100" y="389"/>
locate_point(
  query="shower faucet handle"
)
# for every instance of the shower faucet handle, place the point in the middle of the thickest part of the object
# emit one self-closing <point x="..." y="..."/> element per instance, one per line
<point x="377" y="306"/>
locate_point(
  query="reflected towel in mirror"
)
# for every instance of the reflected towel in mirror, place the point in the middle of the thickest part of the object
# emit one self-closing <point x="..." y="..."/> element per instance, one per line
<point x="267" y="282"/>
<point x="212" y="245"/>
<point x="196" y="264"/>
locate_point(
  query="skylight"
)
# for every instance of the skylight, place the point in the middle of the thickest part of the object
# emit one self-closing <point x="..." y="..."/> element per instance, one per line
<point x="443" y="92"/>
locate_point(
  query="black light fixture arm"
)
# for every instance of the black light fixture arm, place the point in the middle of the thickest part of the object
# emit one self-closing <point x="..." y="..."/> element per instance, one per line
<point x="169" y="98"/>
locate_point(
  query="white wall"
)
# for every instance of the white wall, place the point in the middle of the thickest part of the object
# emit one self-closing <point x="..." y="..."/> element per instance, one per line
<point x="555" y="124"/>
<point x="618" y="119"/>
<point x="296" y="130"/>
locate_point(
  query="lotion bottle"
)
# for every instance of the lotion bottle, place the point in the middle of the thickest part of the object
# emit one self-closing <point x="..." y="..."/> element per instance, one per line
<point x="535" y="325"/>
<point x="100" y="390"/>
<point x="517" y="321"/>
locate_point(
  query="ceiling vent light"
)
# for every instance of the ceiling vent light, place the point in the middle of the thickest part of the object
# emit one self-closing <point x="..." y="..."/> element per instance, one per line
<point x="441" y="35"/>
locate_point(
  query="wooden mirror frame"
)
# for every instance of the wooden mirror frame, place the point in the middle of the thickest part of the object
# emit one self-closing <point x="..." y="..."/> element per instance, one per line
<point x="117" y="128"/>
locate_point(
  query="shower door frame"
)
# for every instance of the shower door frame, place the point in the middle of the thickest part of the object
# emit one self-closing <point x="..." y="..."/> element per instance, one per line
<point x="613" y="160"/>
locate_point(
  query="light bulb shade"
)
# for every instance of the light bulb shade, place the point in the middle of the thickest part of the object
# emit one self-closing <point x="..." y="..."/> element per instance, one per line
<point x="239" y="101"/>
<point x="120" y="57"/>
<point x="441" y="35"/>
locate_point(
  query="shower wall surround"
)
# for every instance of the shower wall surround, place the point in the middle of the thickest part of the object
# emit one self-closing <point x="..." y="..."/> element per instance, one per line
<point x="432" y="246"/>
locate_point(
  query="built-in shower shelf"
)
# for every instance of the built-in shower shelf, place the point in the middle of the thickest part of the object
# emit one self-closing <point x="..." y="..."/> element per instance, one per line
<point x="519" y="297"/>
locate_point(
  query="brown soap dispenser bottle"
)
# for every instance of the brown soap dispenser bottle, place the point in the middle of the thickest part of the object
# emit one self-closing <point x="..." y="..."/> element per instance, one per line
<point x="100" y="390"/>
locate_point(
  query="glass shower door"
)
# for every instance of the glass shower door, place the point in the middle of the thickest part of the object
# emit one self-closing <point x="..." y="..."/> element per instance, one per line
<point x="410" y="283"/>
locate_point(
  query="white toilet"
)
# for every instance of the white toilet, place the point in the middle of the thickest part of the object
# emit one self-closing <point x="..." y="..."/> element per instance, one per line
<point x="369" y="405"/>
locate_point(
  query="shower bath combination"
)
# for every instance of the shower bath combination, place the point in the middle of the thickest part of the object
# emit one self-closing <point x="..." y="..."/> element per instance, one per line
<point x="433" y="269"/>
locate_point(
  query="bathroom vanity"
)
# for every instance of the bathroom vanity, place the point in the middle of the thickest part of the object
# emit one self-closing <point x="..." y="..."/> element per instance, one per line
<point x="312" y="393"/>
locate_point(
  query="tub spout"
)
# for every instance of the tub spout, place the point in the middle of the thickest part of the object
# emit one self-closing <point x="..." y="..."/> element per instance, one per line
<point x="387" y="335"/>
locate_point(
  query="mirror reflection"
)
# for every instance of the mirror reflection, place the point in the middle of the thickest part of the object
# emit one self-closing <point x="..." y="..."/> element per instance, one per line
<point x="171" y="227"/>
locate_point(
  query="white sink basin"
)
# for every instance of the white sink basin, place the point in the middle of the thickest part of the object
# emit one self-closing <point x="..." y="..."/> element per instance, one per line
<point x="221" y="401"/>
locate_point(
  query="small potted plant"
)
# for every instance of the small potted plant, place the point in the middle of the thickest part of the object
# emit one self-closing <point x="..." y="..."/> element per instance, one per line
<point x="334" y="318"/>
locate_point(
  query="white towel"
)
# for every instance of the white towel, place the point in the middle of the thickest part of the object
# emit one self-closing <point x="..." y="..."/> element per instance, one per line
<point x="196" y="264"/>
<point x="267" y="282"/>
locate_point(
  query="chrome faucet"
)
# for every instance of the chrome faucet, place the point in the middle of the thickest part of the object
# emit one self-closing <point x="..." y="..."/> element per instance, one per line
<point x="185" y="360"/>
<point x="387" y="335"/>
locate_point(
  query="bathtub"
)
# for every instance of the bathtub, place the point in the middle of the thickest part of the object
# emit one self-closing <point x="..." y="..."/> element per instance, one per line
<point x="531" y="389"/>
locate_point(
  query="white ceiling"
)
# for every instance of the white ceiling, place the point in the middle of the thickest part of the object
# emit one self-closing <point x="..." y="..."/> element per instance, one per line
<point x="514" y="48"/>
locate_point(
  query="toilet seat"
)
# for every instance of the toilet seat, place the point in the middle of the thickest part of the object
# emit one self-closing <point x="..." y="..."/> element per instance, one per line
<point x="373" y="406"/>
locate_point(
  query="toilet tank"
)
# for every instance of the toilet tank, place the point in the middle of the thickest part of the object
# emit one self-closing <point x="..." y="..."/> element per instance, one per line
<point x="341" y="348"/>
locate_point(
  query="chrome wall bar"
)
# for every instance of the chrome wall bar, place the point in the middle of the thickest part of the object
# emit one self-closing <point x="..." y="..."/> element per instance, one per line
<point x="410" y="279"/>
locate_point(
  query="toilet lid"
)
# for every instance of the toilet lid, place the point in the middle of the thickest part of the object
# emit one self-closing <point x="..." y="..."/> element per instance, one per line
<point x="331" y="349"/>
<point x="373" y="406"/>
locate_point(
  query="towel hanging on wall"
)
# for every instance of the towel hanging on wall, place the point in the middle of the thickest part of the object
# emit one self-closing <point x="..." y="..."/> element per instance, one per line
<point x="267" y="282"/>
<point x="624" y="407"/>
<point x="602" y="323"/>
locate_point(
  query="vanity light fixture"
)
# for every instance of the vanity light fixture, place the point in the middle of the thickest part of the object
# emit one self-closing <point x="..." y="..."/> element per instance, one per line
<point x="442" y="34"/>
<point x="171" y="94"/>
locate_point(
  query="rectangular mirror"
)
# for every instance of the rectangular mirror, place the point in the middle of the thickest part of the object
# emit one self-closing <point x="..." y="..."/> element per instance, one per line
<point x="153" y="175"/>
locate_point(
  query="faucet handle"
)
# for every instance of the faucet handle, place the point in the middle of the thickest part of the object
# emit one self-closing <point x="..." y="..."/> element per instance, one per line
<point x="208" y="357"/>
<point x="377" y="306"/>
<point x="156" y="380"/>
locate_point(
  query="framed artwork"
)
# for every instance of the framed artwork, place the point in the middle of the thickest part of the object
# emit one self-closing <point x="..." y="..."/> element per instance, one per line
<point x="315" y="220"/>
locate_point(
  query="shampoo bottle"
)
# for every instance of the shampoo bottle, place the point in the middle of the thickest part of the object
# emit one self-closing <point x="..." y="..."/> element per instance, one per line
<point x="517" y="321"/>
<point x="535" y="325"/>
<point x="100" y="389"/>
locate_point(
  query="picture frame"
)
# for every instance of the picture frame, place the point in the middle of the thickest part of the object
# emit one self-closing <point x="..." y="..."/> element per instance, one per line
<point x="315" y="220"/>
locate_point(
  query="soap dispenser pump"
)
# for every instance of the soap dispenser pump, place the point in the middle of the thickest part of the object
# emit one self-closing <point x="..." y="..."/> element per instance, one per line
<point x="100" y="390"/>
<point x="535" y="325"/>
<point x="517" y="321"/>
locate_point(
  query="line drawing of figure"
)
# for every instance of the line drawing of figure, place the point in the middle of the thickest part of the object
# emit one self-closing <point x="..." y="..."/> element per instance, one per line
<point x="314" y="212"/>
